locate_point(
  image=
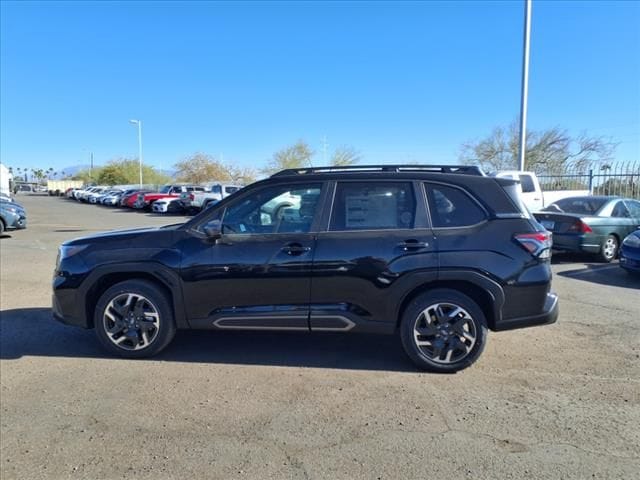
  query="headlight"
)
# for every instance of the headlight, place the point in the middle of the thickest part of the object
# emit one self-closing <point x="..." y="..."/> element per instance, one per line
<point x="11" y="209"/>
<point x="67" y="251"/>
<point x="632" y="241"/>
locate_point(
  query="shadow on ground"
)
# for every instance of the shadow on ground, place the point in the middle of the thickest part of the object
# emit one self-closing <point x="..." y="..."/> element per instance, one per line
<point x="603" y="274"/>
<point x="33" y="332"/>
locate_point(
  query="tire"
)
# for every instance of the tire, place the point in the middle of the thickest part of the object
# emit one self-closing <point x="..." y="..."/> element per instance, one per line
<point x="1" y="226"/>
<point x="609" y="249"/>
<point x="112" y="323"/>
<point x="460" y="342"/>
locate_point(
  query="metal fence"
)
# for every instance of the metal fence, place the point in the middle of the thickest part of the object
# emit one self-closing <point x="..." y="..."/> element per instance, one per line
<point x="622" y="178"/>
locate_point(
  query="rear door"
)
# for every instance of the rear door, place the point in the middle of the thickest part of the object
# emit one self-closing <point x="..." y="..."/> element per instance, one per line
<point x="375" y="233"/>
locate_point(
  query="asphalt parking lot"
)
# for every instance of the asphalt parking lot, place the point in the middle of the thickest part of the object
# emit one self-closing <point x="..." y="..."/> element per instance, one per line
<point x="557" y="402"/>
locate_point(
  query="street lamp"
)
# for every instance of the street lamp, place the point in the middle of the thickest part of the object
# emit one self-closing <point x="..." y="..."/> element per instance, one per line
<point x="139" y="123"/>
<point x="524" y="97"/>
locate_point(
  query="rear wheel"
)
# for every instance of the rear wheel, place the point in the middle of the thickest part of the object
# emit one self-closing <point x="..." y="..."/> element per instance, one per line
<point x="134" y="319"/>
<point x="443" y="331"/>
<point x="1" y="226"/>
<point x="609" y="249"/>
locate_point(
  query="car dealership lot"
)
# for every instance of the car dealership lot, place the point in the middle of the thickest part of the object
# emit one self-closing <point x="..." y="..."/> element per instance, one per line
<point x="561" y="401"/>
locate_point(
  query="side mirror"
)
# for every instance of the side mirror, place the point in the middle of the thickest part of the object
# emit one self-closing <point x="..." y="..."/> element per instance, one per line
<point x="213" y="229"/>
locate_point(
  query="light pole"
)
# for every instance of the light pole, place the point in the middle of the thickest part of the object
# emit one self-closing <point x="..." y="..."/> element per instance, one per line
<point x="525" y="84"/>
<point x="139" y="123"/>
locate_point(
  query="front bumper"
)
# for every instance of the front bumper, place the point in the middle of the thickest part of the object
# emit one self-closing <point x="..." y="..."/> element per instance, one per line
<point x="548" y="316"/>
<point x="16" y="221"/>
<point x="629" y="261"/>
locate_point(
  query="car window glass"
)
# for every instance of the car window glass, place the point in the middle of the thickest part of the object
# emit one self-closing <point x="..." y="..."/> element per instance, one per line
<point x="527" y="184"/>
<point x="372" y="206"/>
<point x="620" y="211"/>
<point x="580" y="205"/>
<point x="451" y="207"/>
<point x="280" y="209"/>
<point x="634" y="208"/>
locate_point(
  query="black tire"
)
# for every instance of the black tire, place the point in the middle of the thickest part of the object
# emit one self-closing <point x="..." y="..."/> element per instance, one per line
<point x="609" y="249"/>
<point x="159" y="337"/>
<point x="1" y="226"/>
<point x="447" y="335"/>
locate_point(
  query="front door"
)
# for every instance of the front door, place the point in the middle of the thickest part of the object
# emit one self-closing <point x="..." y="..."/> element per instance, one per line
<point x="257" y="275"/>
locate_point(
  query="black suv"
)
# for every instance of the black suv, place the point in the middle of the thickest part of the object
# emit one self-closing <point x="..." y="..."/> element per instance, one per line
<point x="440" y="254"/>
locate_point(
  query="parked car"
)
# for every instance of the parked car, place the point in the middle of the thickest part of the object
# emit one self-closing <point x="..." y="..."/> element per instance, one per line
<point x="131" y="199"/>
<point x="630" y="253"/>
<point x="593" y="224"/>
<point x="366" y="249"/>
<point x="168" y="205"/>
<point x="531" y="191"/>
<point x="145" y="201"/>
<point x="113" y="199"/>
<point x="12" y="216"/>
<point x="83" y="195"/>
<point x="199" y="199"/>
<point x="99" y="194"/>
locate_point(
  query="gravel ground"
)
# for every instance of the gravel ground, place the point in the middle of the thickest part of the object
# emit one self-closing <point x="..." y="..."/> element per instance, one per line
<point x="557" y="402"/>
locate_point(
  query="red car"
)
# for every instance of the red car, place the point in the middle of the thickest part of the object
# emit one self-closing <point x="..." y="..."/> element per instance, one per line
<point x="129" y="200"/>
<point x="168" y="191"/>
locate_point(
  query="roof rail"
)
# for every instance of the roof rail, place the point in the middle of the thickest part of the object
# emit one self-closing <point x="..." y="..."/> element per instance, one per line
<point x="463" y="169"/>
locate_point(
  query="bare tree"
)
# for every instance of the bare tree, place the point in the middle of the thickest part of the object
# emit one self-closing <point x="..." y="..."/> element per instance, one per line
<point x="297" y="155"/>
<point x="201" y="168"/>
<point x="551" y="150"/>
<point x="345" y="155"/>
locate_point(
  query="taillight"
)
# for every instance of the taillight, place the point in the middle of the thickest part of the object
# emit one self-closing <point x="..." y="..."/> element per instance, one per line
<point x="191" y="197"/>
<point x="537" y="244"/>
<point x="580" y="227"/>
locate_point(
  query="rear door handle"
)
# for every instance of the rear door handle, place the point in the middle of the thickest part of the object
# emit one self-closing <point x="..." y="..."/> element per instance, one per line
<point x="409" y="245"/>
<point x="295" y="249"/>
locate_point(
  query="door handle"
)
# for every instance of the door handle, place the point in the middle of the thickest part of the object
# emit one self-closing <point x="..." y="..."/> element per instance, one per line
<point x="295" y="249"/>
<point x="409" y="245"/>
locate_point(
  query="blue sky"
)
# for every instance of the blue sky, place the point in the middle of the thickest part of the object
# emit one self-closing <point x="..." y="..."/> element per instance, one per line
<point x="398" y="81"/>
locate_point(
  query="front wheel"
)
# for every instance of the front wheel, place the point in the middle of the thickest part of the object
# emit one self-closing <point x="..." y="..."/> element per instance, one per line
<point x="134" y="319"/>
<point x="609" y="249"/>
<point x="443" y="331"/>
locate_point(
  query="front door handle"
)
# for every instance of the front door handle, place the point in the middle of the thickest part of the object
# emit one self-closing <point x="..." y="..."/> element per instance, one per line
<point x="295" y="249"/>
<point x="410" y="245"/>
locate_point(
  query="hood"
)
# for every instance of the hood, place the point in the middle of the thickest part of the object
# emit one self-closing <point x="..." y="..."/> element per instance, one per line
<point x="125" y="235"/>
<point x="4" y="203"/>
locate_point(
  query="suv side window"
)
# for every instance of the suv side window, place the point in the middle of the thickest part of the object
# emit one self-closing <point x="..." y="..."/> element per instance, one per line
<point x="373" y="206"/>
<point x="452" y="207"/>
<point x="277" y="209"/>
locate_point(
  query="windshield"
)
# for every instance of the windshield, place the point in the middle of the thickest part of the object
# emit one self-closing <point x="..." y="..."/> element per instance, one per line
<point x="579" y="205"/>
<point x="165" y="189"/>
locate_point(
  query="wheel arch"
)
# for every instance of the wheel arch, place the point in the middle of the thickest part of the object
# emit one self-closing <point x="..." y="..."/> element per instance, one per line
<point x="485" y="292"/>
<point x="165" y="281"/>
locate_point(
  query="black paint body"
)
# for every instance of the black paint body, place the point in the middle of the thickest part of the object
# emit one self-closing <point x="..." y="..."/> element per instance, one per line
<point x="322" y="280"/>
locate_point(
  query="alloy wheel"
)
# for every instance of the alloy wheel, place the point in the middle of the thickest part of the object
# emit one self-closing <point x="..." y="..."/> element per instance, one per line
<point x="445" y="333"/>
<point x="610" y="247"/>
<point x="131" y="321"/>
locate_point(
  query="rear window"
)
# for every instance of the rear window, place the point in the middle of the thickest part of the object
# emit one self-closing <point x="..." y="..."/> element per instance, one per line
<point x="452" y="207"/>
<point x="579" y="205"/>
<point x="527" y="184"/>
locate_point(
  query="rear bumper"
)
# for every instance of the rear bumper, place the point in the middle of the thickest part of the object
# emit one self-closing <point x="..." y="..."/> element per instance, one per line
<point x="548" y="316"/>
<point x="577" y="243"/>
